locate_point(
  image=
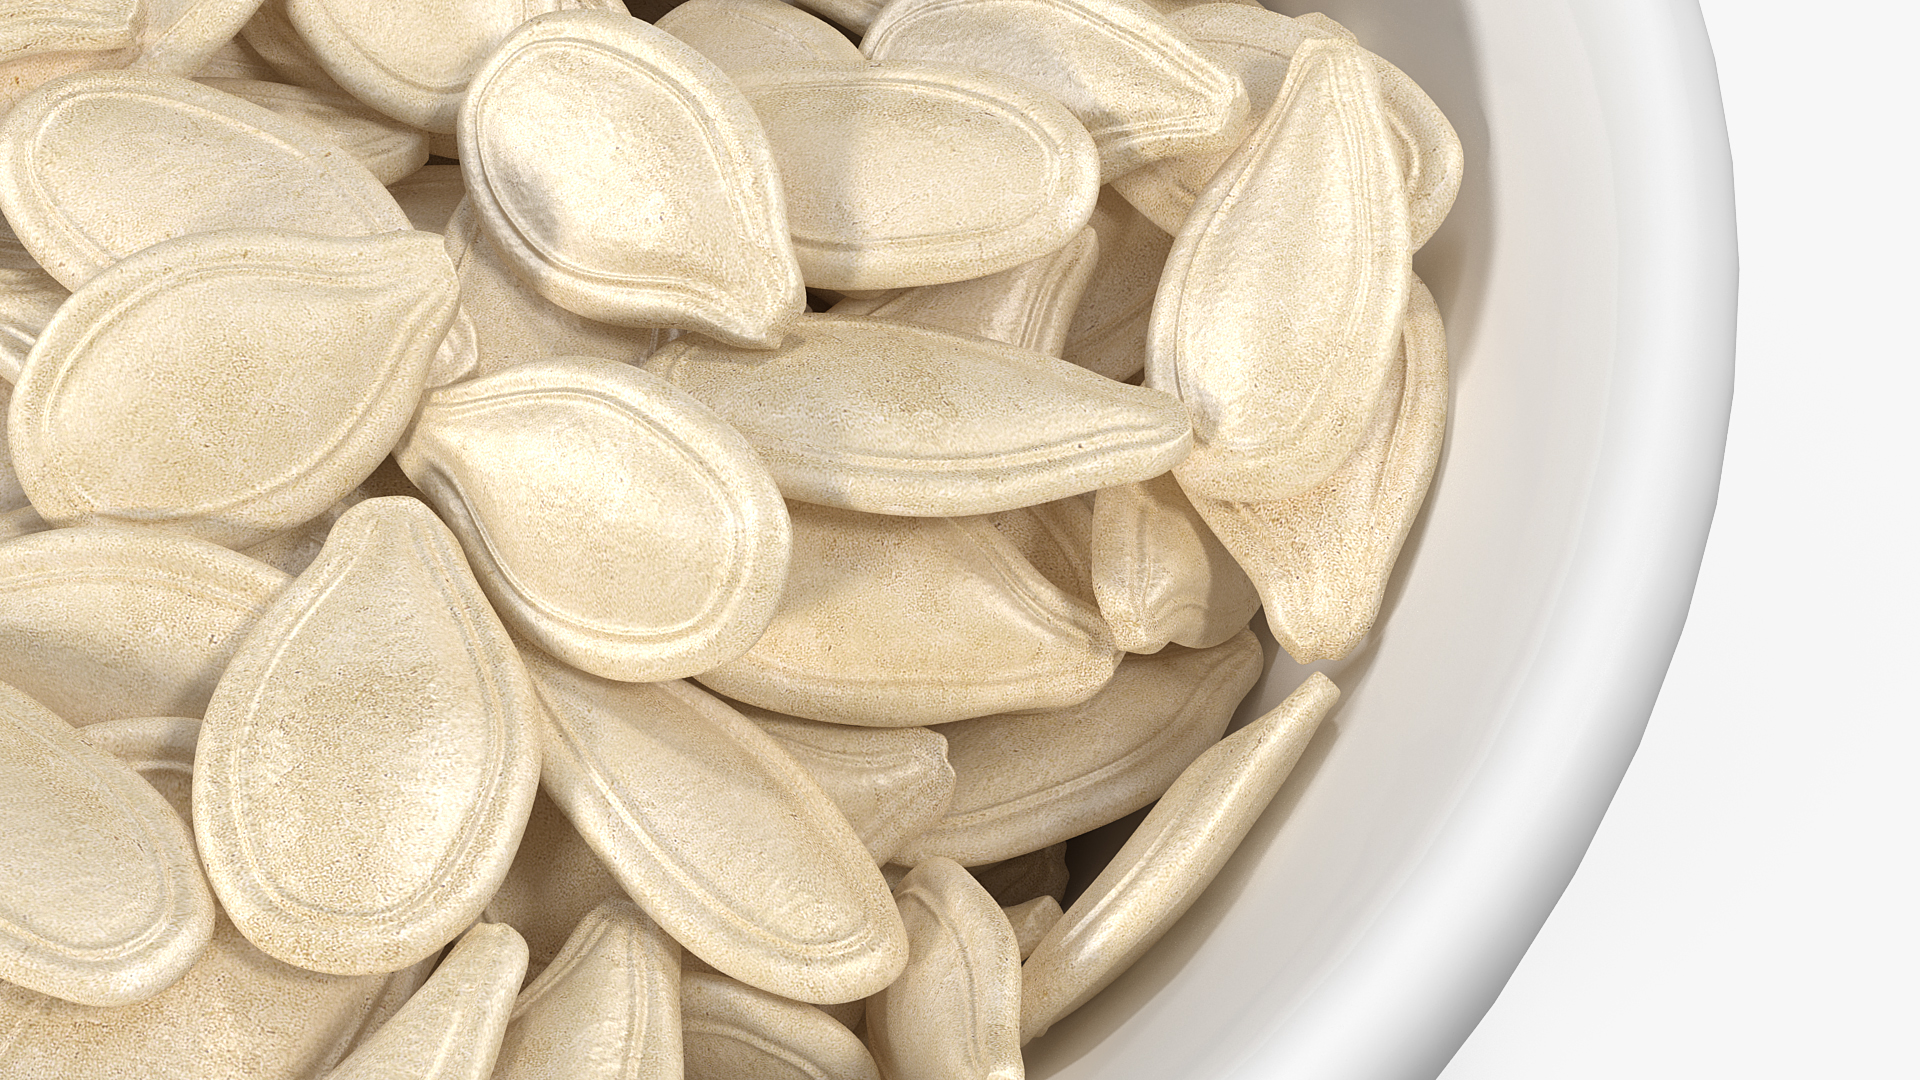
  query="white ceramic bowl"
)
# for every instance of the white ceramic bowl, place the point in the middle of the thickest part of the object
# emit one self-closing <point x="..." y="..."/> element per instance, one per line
<point x="1587" y="277"/>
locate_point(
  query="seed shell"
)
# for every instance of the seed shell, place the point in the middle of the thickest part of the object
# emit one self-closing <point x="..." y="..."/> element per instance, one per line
<point x="581" y="115"/>
<point x="1141" y="88"/>
<point x="178" y="37"/>
<point x="607" y="1008"/>
<point x="237" y="1014"/>
<point x="1031" y="921"/>
<point x="103" y="902"/>
<point x="910" y="173"/>
<point x="954" y="1013"/>
<point x="649" y="544"/>
<point x="1108" y="333"/>
<point x="413" y="61"/>
<point x="776" y="891"/>
<point x="99" y="165"/>
<point x="731" y="1030"/>
<point x="1284" y="370"/>
<point x="1321" y="558"/>
<point x="173" y="390"/>
<point x="892" y="419"/>
<point x="891" y="783"/>
<point x="905" y="622"/>
<point x="555" y="880"/>
<point x="369" y="759"/>
<point x="743" y="35"/>
<point x="391" y="151"/>
<point x="1169" y="860"/>
<point x="450" y="1028"/>
<point x="1029" y="306"/>
<point x="1159" y="573"/>
<point x="107" y="622"/>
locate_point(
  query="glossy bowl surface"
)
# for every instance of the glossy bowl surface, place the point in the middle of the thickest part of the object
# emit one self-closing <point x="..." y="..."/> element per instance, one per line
<point x="1587" y="276"/>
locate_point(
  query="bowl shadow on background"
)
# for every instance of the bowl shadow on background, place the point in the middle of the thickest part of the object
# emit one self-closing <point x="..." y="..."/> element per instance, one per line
<point x="1434" y="45"/>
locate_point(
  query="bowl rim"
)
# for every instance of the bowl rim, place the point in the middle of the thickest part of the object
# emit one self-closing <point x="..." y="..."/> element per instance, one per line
<point x="1436" y="956"/>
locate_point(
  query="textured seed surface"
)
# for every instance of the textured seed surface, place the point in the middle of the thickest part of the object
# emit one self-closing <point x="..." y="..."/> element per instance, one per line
<point x="369" y="760"/>
<point x="904" y="622"/>
<point x="1283" y="370"/>
<point x="143" y="401"/>
<point x="1028" y="780"/>
<point x="450" y="1029"/>
<point x="650" y="543"/>
<point x="886" y="418"/>
<point x="95" y="167"/>
<point x="607" y="1008"/>
<point x="1169" y="859"/>
<point x="908" y="173"/>
<point x="579" y="112"/>
<point x="773" y="888"/>
<point x="954" y="1013"/>
<point x="101" y="898"/>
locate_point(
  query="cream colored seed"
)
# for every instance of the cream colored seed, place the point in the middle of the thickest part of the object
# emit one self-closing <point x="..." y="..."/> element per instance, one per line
<point x="731" y="1030"/>
<point x="450" y="1029"/>
<point x="607" y="1008"/>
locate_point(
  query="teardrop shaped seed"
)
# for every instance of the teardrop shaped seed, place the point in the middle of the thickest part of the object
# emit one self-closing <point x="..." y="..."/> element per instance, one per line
<point x="891" y="783"/>
<point x="1031" y="921"/>
<point x="413" y="61"/>
<point x="181" y="358"/>
<point x="450" y="1029"/>
<point x="555" y="880"/>
<point x="101" y="899"/>
<point x="390" y="150"/>
<point x="236" y="1015"/>
<point x="905" y="622"/>
<point x="582" y="116"/>
<point x="1321" y="558"/>
<point x="1108" y="333"/>
<point x="1284" y="370"/>
<point x="743" y="35"/>
<point x="177" y="37"/>
<point x="892" y="419"/>
<point x="731" y="1030"/>
<point x="1257" y="44"/>
<point x="1028" y="307"/>
<point x="1159" y="573"/>
<point x="1032" y="779"/>
<point x="905" y="173"/>
<point x="110" y="162"/>
<point x="41" y="42"/>
<point x="105" y="622"/>
<point x="1141" y="88"/>
<point x="607" y="1008"/>
<point x="954" y="1013"/>
<point x="777" y="891"/>
<point x="1169" y="860"/>
<point x="369" y="759"/>
<point x="649" y="544"/>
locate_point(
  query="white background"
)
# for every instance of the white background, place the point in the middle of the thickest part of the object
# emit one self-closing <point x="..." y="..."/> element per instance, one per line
<point x="1749" y="907"/>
